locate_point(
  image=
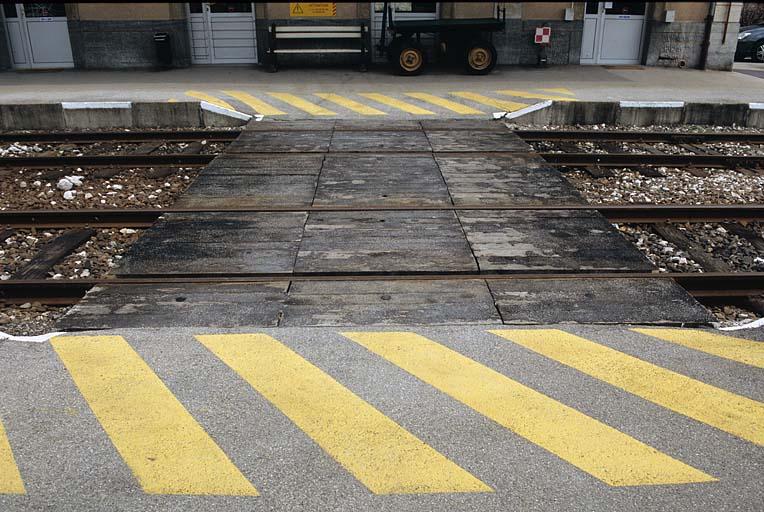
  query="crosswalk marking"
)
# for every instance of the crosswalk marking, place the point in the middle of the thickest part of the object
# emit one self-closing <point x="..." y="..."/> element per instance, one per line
<point x="199" y="95"/>
<point x="533" y="95"/>
<point x="257" y="105"/>
<point x="602" y="451"/>
<point x="382" y="455"/>
<point x="396" y="103"/>
<point x="350" y="104"/>
<point x="167" y="450"/>
<point x="491" y="102"/>
<point x="736" y="349"/>
<point x="10" y="478"/>
<point x="734" y="414"/>
<point x="304" y="105"/>
<point x="559" y="90"/>
<point x="444" y="103"/>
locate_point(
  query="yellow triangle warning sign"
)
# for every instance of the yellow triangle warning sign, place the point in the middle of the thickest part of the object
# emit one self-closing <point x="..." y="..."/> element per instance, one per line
<point x="296" y="9"/>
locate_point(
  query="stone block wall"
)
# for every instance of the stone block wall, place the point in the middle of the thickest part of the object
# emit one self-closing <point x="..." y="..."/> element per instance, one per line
<point x="515" y="45"/>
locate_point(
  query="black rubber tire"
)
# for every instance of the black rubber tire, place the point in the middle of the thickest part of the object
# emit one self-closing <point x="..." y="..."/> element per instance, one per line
<point x="410" y="60"/>
<point x="479" y="58"/>
<point x="757" y="54"/>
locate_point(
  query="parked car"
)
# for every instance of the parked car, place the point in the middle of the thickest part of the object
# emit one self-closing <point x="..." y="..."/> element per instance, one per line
<point x="750" y="43"/>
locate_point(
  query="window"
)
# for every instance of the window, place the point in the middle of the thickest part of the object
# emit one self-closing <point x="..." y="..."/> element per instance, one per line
<point x="429" y="7"/>
<point x="44" y="10"/>
<point x="195" y="7"/>
<point x="592" y="7"/>
<point x="636" y="8"/>
<point x="220" y="7"/>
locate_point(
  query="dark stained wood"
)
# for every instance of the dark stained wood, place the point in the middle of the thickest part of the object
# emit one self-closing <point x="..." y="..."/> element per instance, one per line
<point x="548" y="241"/>
<point x="599" y="172"/>
<point x="193" y="148"/>
<point x="381" y="180"/>
<point x="707" y="261"/>
<point x="106" y="172"/>
<point x="387" y="241"/>
<point x="281" y="142"/>
<point x="372" y="142"/>
<point x="746" y="233"/>
<point x="5" y="234"/>
<point x="146" y="148"/>
<point x="442" y="140"/>
<point x="53" y="252"/>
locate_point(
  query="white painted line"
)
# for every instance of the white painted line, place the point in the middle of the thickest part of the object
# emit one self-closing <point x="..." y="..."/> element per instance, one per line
<point x="756" y="106"/>
<point x="29" y="339"/>
<point x="76" y="105"/>
<point x="529" y="109"/>
<point x="652" y="104"/>
<point x="499" y="115"/>
<point x="225" y="111"/>
<point x="750" y="325"/>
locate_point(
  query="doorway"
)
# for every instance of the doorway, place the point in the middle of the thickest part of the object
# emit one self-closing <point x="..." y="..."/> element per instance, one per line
<point x="222" y="32"/>
<point x="402" y="11"/>
<point x="38" y="35"/>
<point x="613" y="32"/>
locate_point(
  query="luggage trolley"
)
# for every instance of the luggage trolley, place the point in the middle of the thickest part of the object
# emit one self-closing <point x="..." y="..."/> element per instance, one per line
<point x="460" y="40"/>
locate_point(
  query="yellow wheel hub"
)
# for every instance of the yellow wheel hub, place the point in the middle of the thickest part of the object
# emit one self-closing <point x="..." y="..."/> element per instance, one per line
<point x="410" y="59"/>
<point x="479" y="58"/>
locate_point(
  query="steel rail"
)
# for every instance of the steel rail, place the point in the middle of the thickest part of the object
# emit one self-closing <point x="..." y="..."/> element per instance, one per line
<point x="639" y="136"/>
<point x="121" y="136"/>
<point x="716" y="285"/>
<point x="42" y="162"/>
<point x="558" y="159"/>
<point x="631" y="213"/>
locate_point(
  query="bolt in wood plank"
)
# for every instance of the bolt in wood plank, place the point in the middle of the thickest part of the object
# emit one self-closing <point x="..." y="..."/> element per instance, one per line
<point x="53" y="252"/>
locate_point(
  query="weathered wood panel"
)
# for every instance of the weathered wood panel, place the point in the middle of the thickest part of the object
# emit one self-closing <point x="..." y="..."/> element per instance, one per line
<point x="336" y="303"/>
<point x="511" y="181"/>
<point x="551" y="301"/>
<point x="183" y="305"/>
<point x="554" y="241"/>
<point x="384" y="242"/>
<point x="381" y="180"/>
<point x="453" y="140"/>
<point x="281" y="142"/>
<point x="371" y="142"/>
<point x="215" y="243"/>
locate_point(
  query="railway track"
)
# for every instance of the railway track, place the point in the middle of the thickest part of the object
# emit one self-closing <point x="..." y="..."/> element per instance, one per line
<point x="711" y="286"/>
<point x="142" y="218"/>
<point x="640" y="136"/>
<point x="120" y="136"/>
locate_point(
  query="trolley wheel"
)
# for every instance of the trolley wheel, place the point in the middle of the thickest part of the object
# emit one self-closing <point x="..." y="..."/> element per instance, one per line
<point x="410" y="59"/>
<point x="394" y="48"/>
<point x="480" y="58"/>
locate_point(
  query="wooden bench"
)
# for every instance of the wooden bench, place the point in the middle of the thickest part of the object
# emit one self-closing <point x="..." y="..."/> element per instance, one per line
<point x="334" y="33"/>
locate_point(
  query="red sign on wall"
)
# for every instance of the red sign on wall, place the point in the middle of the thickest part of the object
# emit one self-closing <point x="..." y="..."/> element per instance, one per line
<point x="543" y="34"/>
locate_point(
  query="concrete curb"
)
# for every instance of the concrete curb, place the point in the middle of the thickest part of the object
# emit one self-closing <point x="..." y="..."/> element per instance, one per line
<point x="117" y="114"/>
<point x="640" y="113"/>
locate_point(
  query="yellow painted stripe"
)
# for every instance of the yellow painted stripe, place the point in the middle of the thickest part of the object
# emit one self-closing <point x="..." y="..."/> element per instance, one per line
<point x="209" y="99"/>
<point x="442" y="102"/>
<point x="736" y="349"/>
<point x="533" y="95"/>
<point x="509" y="106"/>
<point x="350" y="104"/>
<point x="383" y="456"/>
<point x="735" y="414"/>
<point x="559" y="90"/>
<point x="167" y="450"/>
<point x="255" y="104"/>
<point x="10" y="478"/>
<point x="395" y="103"/>
<point x="304" y="105"/>
<point x="600" y="450"/>
<point x="172" y="100"/>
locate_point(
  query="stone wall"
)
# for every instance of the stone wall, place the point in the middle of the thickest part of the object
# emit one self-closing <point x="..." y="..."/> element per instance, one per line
<point x="515" y="45"/>
<point x="120" y="44"/>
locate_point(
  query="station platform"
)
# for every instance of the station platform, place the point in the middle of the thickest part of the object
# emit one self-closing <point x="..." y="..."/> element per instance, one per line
<point x="347" y="93"/>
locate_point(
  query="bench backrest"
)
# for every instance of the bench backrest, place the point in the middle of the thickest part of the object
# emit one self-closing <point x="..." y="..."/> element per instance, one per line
<point x="318" y="31"/>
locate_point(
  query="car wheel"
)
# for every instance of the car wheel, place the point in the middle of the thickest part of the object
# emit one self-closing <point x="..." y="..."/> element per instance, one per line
<point x="758" y="52"/>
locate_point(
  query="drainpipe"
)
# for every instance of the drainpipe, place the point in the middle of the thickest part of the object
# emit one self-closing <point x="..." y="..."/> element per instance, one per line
<point x="707" y="36"/>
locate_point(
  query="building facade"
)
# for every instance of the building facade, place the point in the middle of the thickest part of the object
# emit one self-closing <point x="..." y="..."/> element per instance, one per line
<point x="121" y="36"/>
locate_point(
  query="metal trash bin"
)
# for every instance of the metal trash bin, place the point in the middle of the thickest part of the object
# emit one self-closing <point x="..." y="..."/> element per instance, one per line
<point x="164" y="49"/>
